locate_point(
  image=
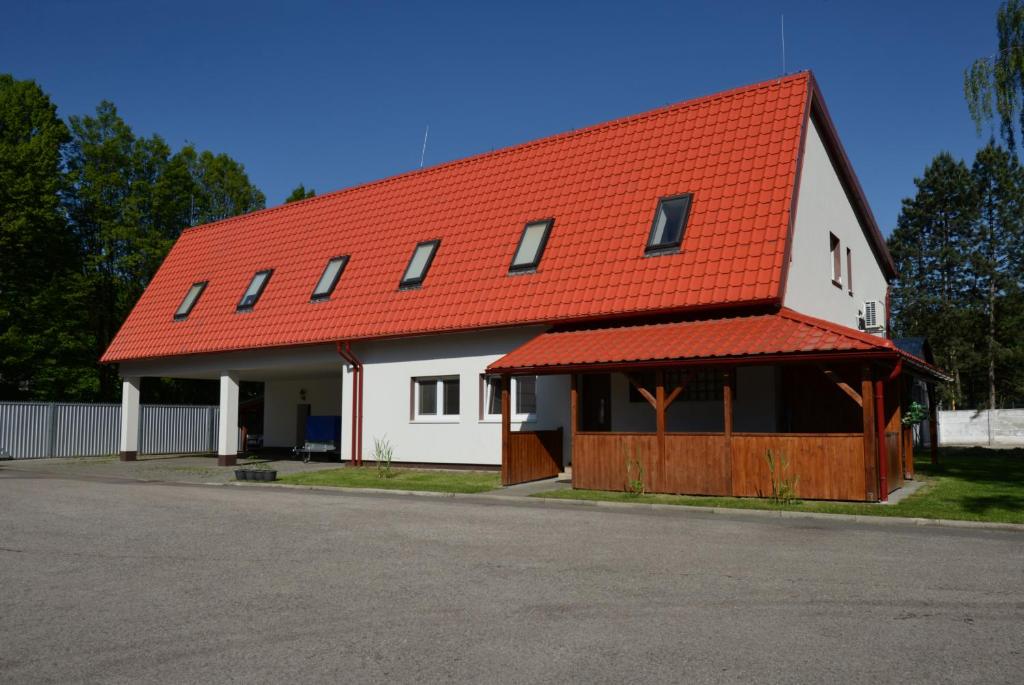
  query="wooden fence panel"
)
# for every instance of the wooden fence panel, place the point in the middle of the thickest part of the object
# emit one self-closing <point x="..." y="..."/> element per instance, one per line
<point x="533" y="455"/>
<point x="892" y="447"/>
<point x="599" y="459"/>
<point x="829" y="466"/>
<point x="696" y="464"/>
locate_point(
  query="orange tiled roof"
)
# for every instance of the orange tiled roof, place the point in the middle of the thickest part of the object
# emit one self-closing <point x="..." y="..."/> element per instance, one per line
<point x="736" y="152"/>
<point x="785" y="333"/>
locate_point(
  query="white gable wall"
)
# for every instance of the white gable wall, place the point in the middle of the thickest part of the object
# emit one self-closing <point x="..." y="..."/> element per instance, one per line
<point x="822" y="208"/>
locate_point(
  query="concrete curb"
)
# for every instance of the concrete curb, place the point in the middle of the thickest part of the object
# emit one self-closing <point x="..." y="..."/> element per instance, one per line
<point x="493" y="498"/>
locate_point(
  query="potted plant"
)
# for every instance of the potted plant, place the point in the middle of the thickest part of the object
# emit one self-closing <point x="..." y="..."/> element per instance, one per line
<point x="256" y="470"/>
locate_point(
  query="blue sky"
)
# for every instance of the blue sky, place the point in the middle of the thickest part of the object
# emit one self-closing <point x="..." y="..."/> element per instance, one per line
<point x="331" y="94"/>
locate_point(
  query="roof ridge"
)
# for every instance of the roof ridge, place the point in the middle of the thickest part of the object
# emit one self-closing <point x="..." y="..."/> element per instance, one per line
<point x="564" y="135"/>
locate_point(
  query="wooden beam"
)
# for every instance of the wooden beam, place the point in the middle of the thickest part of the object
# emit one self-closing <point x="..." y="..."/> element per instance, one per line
<point x="644" y="392"/>
<point x="870" y="438"/>
<point x="506" y="428"/>
<point x="656" y="479"/>
<point x="933" y="423"/>
<point x="843" y="385"/>
<point x="683" y="381"/>
<point x="573" y="422"/>
<point x="727" y="392"/>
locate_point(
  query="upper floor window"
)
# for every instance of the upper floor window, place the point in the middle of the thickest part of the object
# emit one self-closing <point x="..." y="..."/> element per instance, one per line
<point x="329" y="278"/>
<point x="531" y="246"/>
<point x="849" y="272"/>
<point x="419" y="264"/>
<point x="191" y="297"/>
<point x="835" y="250"/>
<point x="255" y="289"/>
<point x="669" y="223"/>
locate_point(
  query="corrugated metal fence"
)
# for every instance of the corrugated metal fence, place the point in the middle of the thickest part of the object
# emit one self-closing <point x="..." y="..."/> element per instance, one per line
<point x="35" y="430"/>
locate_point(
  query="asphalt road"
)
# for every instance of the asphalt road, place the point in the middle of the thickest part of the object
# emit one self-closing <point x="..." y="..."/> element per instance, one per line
<point x="148" y="582"/>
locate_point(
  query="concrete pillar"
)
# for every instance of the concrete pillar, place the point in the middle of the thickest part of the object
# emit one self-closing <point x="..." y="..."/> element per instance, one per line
<point x="130" y="417"/>
<point x="348" y="399"/>
<point x="227" y="427"/>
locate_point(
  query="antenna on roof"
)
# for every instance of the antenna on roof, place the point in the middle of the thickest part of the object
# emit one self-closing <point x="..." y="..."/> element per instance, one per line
<point x="782" y="26"/>
<point x="423" y="152"/>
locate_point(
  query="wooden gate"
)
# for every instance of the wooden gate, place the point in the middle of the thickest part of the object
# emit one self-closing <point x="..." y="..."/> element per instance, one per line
<point x="532" y="455"/>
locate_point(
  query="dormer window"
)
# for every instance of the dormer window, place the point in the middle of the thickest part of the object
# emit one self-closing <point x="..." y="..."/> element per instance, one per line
<point x="329" y="278"/>
<point x="531" y="246"/>
<point x="669" y="224"/>
<point x="255" y="289"/>
<point x="191" y="297"/>
<point x="419" y="264"/>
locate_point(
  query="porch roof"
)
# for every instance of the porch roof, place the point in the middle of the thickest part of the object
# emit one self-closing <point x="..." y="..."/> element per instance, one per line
<point x="784" y="335"/>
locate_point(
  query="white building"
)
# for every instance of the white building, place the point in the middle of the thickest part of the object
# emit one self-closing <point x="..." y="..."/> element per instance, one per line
<point x="715" y="260"/>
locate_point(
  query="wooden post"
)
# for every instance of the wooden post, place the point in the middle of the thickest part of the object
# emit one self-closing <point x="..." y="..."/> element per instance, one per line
<point x="728" y="391"/>
<point x="870" y="437"/>
<point x="933" y="424"/>
<point x="658" y="479"/>
<point x="573" y="422"/>
<point x="506" y="428"/>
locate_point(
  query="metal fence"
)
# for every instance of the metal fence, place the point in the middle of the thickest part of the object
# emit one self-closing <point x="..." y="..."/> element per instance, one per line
<point x="36" y="430"/>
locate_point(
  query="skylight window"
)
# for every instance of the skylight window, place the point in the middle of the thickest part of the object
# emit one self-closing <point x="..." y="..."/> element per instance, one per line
<point x="531" y="246"/>
<point x="191" y="297"/>
<point x="255" y="289"/>
<point x="419" y="264"/>
<point x="329" y="278"/>
<point x="669" y="223"/>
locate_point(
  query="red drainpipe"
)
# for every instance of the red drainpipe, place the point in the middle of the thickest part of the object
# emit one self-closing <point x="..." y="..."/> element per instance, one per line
<point x="345" y="350"/>
<point x="883" y="446"/>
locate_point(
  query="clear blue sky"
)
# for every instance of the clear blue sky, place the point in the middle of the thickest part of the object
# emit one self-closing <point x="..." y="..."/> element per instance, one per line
<point x="331" y="94"/>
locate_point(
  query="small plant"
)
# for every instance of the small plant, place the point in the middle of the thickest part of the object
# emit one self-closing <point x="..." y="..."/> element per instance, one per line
<point x="915" y="414"/>
<point x="634" y="477"/>
<point x="382" y="454"/>
<point x="783" y="489"/>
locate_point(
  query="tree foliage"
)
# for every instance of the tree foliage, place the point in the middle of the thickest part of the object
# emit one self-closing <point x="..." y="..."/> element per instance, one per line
<point x="994" y="85"/>
<point x="957" y="245"/>
<point x="88" y="211"/>
<point x="300" y="193"/>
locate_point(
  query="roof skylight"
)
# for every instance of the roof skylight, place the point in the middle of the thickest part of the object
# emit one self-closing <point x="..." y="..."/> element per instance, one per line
<point x="669" y="223"/>
<point x="531" y="245"/>
<point x="419" y="264"/>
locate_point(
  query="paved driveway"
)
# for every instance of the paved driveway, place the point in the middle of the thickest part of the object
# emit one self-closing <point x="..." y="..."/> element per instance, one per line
<point x="124" y="581"/>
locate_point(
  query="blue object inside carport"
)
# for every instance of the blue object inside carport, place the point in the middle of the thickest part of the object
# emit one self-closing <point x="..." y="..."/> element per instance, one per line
<point x="323" y="429"/>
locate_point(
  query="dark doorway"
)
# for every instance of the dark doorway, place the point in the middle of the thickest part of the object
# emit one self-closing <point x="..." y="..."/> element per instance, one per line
<point x="596" y="402"/>
<point x="300" y="424"/>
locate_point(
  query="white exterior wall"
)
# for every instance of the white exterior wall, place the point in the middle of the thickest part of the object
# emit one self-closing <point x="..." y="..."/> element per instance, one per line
<point x="823" y="208"/>
<point x="753" y="411"/>
<point x="281" y="399"/>
<point x="390" y="366"/>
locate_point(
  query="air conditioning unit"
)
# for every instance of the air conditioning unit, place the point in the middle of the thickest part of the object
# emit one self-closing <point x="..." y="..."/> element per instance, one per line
<point x="874" y="316"/>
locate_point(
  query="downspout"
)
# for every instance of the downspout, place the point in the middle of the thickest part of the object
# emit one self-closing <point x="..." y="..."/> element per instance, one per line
<point x="345" y="351"/>
<point x="883" y="446"/>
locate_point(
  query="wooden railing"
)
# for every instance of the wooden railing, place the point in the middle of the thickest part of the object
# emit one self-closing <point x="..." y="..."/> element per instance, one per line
<point x="532" y="455"/>
<point x="827" y="466"/>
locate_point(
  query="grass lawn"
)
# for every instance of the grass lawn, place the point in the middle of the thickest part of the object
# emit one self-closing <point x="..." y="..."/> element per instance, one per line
<point x="969" y="484"/>
<point x="432" y="480"/>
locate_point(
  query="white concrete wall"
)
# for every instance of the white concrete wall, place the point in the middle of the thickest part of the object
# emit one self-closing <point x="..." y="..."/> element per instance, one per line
<point x="754" y="409"/>
<point x="282" y="398"/>
<point x="1000" y="428"/>
<point x="390" y="366"/>
<point x="823" y="208"/>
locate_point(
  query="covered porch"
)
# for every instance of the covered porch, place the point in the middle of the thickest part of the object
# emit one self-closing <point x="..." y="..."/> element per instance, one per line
<point x="695" y="408"/>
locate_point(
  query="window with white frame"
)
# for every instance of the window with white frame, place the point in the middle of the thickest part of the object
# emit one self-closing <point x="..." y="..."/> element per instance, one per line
<point x="835" y="253"/>
<point x="435" y="398"/>
<point x="522" y="399"/>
